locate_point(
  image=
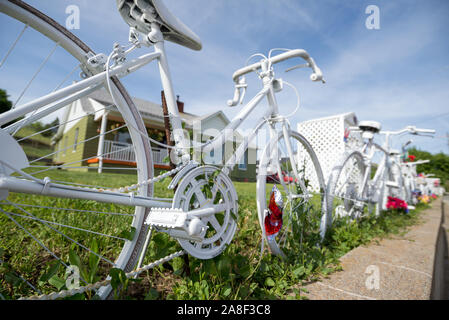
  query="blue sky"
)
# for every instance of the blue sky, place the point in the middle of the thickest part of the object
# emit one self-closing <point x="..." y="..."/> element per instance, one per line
<point x="397" y="75"/>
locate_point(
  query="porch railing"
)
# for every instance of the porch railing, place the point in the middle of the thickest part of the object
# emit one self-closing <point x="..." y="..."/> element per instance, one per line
<point x="122" y="151"/>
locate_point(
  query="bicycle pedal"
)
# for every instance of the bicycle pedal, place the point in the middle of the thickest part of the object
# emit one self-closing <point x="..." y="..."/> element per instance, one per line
<point x="177" y="223"/>
<point x="166" y="218"/>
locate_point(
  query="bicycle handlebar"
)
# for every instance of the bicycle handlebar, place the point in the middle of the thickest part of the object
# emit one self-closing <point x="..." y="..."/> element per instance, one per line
<point x="431" y="131"/>
<point x="317" y="75"/>
<point x="411" y="129"/>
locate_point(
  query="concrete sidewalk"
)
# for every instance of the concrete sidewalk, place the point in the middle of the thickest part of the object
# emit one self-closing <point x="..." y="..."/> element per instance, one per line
<point x="398" y="268"/>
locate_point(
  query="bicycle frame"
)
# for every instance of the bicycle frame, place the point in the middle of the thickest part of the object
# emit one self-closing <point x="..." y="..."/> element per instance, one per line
<point x="270" y="115"/>
<point x="268" y="92"/>
<point x="64" y="96"/>
<point x="369" y="150"/>
<point x="388" y="160"/>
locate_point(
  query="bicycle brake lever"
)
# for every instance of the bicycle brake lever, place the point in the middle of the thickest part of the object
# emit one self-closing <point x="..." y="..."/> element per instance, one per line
<point x="425" y="135"/>
<point x="238" y="98"/>
<point x="243" y="94"/>
<point x="305" y="65"/>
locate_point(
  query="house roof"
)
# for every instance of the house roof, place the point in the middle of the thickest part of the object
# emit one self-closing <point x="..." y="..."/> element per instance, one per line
<point x="218" y="113"/>
<point x="148" y="110"/>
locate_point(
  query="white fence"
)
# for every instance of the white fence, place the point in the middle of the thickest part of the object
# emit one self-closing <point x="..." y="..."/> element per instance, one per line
<point x="330" y="139"/>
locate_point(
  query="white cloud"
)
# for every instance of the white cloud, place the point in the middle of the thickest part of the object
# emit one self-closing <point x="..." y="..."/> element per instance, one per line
<point x="395" y="75"/>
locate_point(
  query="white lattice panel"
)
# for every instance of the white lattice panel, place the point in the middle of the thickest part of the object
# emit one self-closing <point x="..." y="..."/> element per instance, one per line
<point x="327" y="137"/>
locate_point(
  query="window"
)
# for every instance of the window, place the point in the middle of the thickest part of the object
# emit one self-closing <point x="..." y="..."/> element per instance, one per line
<point x="76" y="139"/>
<point x="122" y="135"/>
<point x="65" y="145"/>
<point x="223" y="154"/>
<point x="243" y="161"/>
<point x="215" y="156"/>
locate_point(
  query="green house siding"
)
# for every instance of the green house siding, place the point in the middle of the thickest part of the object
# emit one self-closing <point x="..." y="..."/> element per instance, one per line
<point x="91" y="146"/>
<point x="73" y="154"/>
<point x="249" y="173"/>
<point x="88" y="128"/>
<point x="238" y="174"/>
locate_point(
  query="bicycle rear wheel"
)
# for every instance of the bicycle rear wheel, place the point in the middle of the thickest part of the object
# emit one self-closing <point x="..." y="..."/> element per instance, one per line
<point x="345" y="187"/>
<point x="301" y="183"/>
<point x="41" y="236"/>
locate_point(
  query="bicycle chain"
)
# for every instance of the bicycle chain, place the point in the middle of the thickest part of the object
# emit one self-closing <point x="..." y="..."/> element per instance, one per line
<point x="99" y="284"/>
<point x="147" y="182"/>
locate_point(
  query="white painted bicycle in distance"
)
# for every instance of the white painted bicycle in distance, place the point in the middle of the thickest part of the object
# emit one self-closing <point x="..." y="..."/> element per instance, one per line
<point x="353" y="190"/>
<point x="410" y="179"/>
<point x="410" y="175"/>
<point x="106" y="223"/>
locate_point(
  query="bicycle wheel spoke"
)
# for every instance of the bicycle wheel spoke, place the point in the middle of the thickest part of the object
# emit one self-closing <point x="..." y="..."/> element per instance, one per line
<point x="66" y="165"/>
<point x="33" y="237"/>
<point x="67" y="226"/>
<point x="66" y="78"/>
<point x="55" y="225"/>
<point x="302" y="201"/>
<point x="35" y="75"/>
<point x="68" y="209"/>
<point x="64" y="235"/>
<point x="29" y="284"/>
<point x="60" y="124"/>
<point x="13" y="46"/>
<point x="80" y="143"/>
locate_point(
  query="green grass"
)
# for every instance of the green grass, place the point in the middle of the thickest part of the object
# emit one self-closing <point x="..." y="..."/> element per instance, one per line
<point x="39" y="138"/>
<point x="34" y="152"/>
<point x="240" y="272"/>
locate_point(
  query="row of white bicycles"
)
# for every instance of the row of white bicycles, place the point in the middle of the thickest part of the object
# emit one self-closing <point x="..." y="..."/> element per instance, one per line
<point x="48" y="211"/>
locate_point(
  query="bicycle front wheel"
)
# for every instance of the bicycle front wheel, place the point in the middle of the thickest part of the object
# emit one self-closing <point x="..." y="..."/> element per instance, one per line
<point x="289" y="163"/>
<point x="43" y="235"/>
<point x="397" y="187"/>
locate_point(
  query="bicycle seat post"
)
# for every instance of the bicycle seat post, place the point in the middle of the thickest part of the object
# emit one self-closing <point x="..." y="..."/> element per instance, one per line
<point x="156" y="37"/>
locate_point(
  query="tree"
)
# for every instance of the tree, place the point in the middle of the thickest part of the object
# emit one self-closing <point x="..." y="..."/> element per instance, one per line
<point x="5" y="104"/>
<point x="438" y="165"/>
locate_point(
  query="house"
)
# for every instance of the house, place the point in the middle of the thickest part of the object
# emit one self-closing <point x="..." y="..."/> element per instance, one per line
<point x="92" y="136"/>
<point x="211" y="126"/>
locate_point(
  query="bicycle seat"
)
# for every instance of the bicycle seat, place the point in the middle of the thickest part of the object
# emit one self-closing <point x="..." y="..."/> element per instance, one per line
<point x="140" y="13"/>
<point x="372" y="126"/>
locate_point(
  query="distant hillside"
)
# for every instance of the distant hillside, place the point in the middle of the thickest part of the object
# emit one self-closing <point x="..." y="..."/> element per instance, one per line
<point x="37" y="143"/>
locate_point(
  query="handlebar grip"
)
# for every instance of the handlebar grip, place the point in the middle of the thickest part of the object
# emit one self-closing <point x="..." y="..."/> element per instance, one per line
<point x="415" y="130"/>
<point x="235" y="100"/>
<point x="279" y="58"/>
<point x="426" y="131"/>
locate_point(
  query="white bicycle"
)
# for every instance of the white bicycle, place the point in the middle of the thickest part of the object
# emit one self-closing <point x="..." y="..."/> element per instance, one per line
<point x="410" y="175"/>
<point x="353" y="189"/>
<point x="64" y="214"/>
